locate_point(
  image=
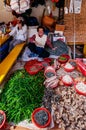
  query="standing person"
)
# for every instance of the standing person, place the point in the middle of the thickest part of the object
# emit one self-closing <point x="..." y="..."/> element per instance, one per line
<point x="38" y="42"/>
<point x="19" y="34"/>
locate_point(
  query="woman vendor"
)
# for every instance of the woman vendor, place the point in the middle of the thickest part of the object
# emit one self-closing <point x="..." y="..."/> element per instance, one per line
<point x="38" y="42"/>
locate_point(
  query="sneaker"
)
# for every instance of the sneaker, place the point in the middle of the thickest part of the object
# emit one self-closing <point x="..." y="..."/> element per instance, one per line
<point x="25" y="59"/>
<point x="33" y="55"/>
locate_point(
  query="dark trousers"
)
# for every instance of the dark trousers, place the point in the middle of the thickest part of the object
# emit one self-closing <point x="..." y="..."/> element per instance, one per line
<point x="38" y="50"/>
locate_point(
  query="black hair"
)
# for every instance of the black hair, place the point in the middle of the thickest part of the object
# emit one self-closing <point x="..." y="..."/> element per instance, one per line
<point x="22" y="22"/>
<point x="15" y="14"/>
<point x="40" y="27"/>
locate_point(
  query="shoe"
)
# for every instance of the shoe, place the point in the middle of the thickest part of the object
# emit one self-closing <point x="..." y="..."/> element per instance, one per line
<point x="25" y="59"/>
<point x="33" y="55"/>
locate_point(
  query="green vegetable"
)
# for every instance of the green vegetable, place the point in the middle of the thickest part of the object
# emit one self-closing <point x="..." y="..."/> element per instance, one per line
<point x="62" y="58"/>
<point x="21" y="95"/>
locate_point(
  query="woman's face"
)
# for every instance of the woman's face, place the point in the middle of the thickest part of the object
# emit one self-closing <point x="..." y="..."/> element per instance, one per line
<point x="40" y="32"/>
<point x="20" y="25"/>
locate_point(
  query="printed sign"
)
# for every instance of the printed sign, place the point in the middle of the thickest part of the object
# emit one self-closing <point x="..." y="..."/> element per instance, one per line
<point x="75" y="6"/>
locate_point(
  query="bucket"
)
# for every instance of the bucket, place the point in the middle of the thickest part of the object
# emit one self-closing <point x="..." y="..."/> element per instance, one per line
<point x="49" y="72"/>
<point x="2" y="118"/>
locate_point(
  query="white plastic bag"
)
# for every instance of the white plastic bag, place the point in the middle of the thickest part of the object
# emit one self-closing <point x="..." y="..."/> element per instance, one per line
<point x="24" y="5"/>
<point x="31" y="126"/>
<point x="25" y="56"/>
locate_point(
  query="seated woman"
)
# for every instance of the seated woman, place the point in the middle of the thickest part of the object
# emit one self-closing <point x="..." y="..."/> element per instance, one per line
<point x="38" y="42"/>
<point x="19" y="34"/>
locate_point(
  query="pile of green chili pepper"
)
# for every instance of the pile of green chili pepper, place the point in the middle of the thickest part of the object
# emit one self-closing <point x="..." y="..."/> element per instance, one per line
<point x="21" y="95"/>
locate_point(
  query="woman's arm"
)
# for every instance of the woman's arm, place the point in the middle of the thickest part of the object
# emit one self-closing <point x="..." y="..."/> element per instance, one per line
<point x="48" y="42"/>
<point x="12" y="33"/>
<point x="32" y="39"/>
<point x="23" y="30"/>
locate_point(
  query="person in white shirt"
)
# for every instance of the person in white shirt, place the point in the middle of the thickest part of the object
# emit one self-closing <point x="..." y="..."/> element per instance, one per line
<point x="19" y="34"/>
<point x="38" y="42"/>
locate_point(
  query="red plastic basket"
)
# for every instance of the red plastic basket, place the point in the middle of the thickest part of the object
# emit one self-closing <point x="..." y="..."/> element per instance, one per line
<point x="67" y="57"/>
<point x="49" y="60"/>
<point x="78" y="91"/>
<point x="49" y="69"/>
<point x="3" y="113"/>
<point x="69" y="69"/>
<point x="67" y="83"/>
<point x="34" y="69"/>
<point x="34" y="121"/>
<point x="31" y="62"/>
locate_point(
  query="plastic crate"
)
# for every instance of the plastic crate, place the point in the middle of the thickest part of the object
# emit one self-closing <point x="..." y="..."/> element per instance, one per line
<point x="59" y="27"/>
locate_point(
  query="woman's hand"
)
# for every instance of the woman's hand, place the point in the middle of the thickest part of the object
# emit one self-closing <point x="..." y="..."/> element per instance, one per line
<point x="7" y="35"/>
<point x="36" y="43"/>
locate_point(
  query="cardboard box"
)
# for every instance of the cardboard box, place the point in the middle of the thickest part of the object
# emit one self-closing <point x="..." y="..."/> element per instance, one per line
<point x="62" y="38"/>
<point x="59" y="27"/>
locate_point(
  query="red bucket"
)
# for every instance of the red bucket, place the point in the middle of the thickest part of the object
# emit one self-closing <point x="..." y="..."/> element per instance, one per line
<point x="49" y="72"/>
<point x="63" y="58"/>
<point x="79" y="87"/>
<point x="48" y="114"/>
<point x="67" y="80"/>
<point x="2" y="118"/>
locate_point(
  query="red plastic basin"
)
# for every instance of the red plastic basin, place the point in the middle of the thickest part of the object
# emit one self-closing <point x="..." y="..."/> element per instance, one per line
<point x="34" y="121"/>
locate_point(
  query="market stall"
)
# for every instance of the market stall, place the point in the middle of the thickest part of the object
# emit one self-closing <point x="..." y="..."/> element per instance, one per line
<point x="63" y="94"/>
<point x="68" y="99"/>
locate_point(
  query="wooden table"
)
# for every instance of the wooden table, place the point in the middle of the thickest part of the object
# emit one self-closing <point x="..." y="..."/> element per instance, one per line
<point x="79" y="27"/>
<point x="80" y="30"/>
<point x="4" y="45"/>
<point x="3" y="40"/>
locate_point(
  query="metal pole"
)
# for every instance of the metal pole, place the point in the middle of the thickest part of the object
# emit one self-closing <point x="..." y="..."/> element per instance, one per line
<point x="74" y="36"/>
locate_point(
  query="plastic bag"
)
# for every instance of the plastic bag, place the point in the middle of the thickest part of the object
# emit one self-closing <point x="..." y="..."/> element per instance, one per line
<point x="30" y="125"/>
<point x="25" y="56"/>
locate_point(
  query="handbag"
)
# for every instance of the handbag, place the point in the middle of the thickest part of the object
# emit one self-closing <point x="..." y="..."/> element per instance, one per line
<point x="48" y="21"/>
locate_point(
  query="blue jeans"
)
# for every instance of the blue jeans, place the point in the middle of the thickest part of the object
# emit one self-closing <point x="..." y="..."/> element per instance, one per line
<point x="38" y="50"/>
